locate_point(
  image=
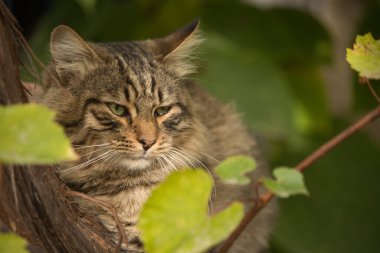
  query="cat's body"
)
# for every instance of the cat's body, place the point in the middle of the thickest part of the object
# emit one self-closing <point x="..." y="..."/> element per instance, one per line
<point x="134" y="117"/>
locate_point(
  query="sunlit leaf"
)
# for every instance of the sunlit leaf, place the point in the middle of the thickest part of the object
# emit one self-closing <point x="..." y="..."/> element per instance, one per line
<point x="175" y="218"/>
<point x="365" y="56"/>
<point x="29" y="135"/>
<point x="12" y="243"/>
<point x="288" y="182"/>
<point x="233" y="169"/>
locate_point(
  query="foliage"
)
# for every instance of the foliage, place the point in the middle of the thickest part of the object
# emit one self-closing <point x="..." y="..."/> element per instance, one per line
<point x="11" y="243"/>
<point x="233" y="169"/>
<point x="29" y="136"/>
<point x="174" y="219"/>
<point x="288" y="182"/>
<point x="365" y="56"/>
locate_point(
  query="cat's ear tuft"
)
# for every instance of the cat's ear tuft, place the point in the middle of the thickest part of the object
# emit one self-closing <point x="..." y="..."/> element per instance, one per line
<point x="70" y="53"/>
<point x="177" y="50"/>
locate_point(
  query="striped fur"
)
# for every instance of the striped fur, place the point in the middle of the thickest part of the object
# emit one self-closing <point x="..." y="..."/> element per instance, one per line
<point x="122" y="158"/>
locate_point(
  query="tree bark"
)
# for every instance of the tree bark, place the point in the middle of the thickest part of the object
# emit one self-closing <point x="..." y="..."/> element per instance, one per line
<point x="32" y="198"/>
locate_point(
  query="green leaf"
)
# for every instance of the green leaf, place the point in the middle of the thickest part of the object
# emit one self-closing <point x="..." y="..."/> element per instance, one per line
<point x="174" y="219"/>
<point x="233" y="169"/>
<point x="12" y="243"/>
<point x="29" y="135"/>
<point x="288" y="182"/>
<point x="365" y="56"/>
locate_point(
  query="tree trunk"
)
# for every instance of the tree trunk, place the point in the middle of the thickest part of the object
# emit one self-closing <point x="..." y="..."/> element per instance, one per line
<point x="32" y="198"/>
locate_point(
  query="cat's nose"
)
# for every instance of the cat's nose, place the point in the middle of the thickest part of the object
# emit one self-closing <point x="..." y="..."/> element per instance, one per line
<point x="146" y="143"/>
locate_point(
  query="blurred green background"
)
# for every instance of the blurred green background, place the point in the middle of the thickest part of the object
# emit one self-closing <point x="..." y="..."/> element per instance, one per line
<point x="282" y="64"/>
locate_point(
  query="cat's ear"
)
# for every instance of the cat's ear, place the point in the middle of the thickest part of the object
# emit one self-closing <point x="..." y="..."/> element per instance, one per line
<point x="177" y="50"/>
<point x="71" y="55"/>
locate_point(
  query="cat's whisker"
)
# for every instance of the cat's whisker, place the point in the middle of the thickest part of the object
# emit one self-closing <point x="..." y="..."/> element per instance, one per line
<point x="86" y="163"/>
<point x="90" y="146"/>
<point x="117" y="157"/>
<point x="187" y="156"/>
<point x="168" y="161"/>
<point x="192" y="165"/>
<point x="177" y="159"/>
<point x="174" y="155"/>
<point x="94" y="151"/>
<point x="212" y="158"/>
<point x="165" y="164"/>
<point x="98" y="158"/>
<point x="183" y="153"/>
<point x="109" y="159"/>
<point x="191" y="156"/>
<point x="159" y="159"/>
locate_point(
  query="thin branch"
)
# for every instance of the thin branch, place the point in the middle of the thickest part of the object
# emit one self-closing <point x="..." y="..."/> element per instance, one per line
<point x="267" y="196"/>
<point x="373" y="91"/>
<point x="107" y="207"/>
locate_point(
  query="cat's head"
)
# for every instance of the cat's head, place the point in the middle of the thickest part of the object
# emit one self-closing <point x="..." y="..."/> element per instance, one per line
<point x="128" y="98"/>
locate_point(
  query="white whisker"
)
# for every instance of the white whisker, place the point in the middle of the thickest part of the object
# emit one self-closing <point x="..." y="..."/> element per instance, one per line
<point x="94" y="151"/>
<point x="177" y="159"/>
<point x="187" y="156"/>
<point x="184" y="156"/>
<point x="90" y="146"/>
<point x="84" y="164"/>
<point x="212" y="158"/>
<point x="159" y="159"/>
<point x="168" y="162"/>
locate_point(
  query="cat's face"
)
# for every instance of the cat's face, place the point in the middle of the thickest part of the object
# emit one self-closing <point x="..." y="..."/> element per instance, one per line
<point x="141" y="114"/>
<point x="127" y="99"/>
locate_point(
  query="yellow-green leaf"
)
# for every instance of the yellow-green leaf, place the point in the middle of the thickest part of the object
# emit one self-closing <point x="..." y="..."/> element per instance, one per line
<point x="233" y="169"/>
<point x="175" y="218"/>
<point x="288" y="182"/>
<point x="29" y="135"/>
<point x="12" y="243"/>
<point x="365" y="56"/>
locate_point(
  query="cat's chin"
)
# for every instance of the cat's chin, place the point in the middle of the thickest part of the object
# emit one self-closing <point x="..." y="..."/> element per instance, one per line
<point x="135" y="164"/>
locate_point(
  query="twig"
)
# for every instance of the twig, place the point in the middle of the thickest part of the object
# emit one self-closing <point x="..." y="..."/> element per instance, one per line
<point x="266" y="197"/>
<point x="370" y="87"/>
<point x="108" y="207"/>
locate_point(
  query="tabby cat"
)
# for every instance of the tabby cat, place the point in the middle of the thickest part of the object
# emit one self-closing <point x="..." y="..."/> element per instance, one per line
<point x="133" y="115"/>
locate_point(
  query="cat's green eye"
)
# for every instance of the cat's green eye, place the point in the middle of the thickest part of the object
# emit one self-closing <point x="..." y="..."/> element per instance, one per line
<point x="161" y="111"/>
<point x="119" y="110"/>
